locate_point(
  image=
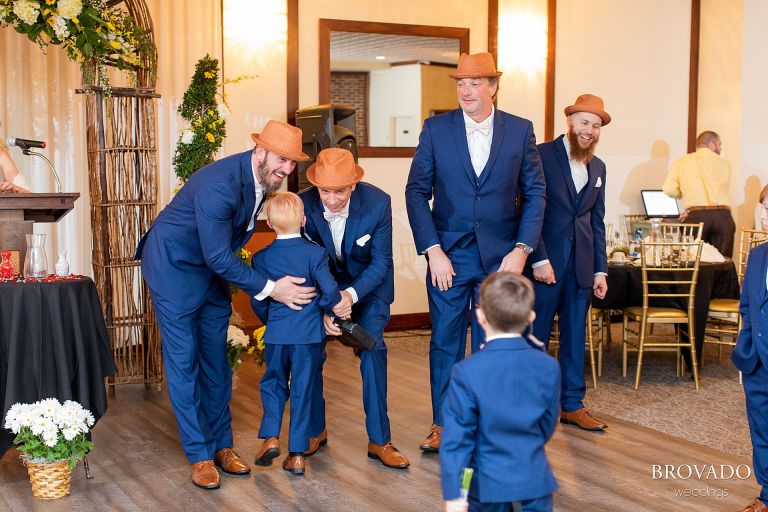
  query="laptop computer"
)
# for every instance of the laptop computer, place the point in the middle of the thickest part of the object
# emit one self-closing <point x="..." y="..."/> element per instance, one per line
<point x="659" y="204"/>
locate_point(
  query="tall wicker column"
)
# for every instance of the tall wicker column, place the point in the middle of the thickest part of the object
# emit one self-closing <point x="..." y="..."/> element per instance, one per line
<point x="122" y="166"/>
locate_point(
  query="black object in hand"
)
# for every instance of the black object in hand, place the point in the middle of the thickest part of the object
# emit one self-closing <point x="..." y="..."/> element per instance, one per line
<point x="352" y="335"/>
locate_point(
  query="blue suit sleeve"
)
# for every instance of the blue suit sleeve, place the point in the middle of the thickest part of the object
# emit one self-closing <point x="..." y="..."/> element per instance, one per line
<point x="214" y="211"/>
<point x="598" y="230"/>
<point x="381" y="254"/>
<point x="549" y="421"/>
<point x="457" y="443"/>
<point x="329" y="290"/>
<point x="418" y="192"/>
<point x="745" y="334"/>
<point x="533" y="193"/>
<point x="260" y="307"/>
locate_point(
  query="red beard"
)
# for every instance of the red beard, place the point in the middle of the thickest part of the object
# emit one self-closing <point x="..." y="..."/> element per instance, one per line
<point x="577" y="152"/>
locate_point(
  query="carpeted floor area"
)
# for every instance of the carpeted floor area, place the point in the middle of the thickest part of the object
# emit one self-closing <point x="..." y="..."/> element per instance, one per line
<point x="713" y="416"/>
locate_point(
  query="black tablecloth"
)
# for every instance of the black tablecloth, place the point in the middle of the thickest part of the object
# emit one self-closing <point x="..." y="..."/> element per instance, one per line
<point x="715" y="281"/>
<point x="53" y="344"/>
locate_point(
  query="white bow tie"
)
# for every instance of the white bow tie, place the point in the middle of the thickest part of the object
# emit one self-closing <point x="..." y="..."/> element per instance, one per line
<point x="482" y="128"/>
<point x="329" y="216"/>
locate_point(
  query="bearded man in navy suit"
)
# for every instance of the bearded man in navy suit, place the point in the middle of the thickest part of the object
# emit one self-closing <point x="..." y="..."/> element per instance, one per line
<point x="188" y="260"/>
<point x="570" y="263"/>
<point x="750" y="355"/>
<point x="353" y="221"/>
<point x="481" y="168"/>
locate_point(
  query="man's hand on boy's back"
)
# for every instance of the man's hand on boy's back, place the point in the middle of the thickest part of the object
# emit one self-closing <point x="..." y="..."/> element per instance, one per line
<point x="457" y="505"/>
<point x="288" y="292"/>
<point x="344" y="308"/>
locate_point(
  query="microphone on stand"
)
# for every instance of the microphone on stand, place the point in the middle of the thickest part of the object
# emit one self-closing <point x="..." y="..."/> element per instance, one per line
<point x="25" y="145"/>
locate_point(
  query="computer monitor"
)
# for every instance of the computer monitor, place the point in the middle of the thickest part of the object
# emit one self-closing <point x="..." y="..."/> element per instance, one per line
<point x="659" y="204"/>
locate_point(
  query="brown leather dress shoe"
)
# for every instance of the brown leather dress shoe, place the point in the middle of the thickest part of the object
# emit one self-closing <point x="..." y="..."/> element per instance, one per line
<point x="756" y="506"/>
<point x="204" y="475"/>
<point x="432" y="442"/>
<point x="388" y="455"/>
<point x="316" y="442"/>
<point x="582" y="419"/>
<point x="294" y="464"/>
<point x="270" y="449"/>
<point x="230" y="462"/>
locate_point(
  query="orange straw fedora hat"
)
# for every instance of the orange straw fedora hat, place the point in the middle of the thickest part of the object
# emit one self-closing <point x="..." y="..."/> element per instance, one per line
<point x="589" y="103"/>
<point x="281" y="138"/>
<point x="479" y="65"/>
<point x="335" y="168"/>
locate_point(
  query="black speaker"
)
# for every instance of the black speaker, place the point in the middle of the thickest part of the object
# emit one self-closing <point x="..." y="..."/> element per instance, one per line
<point x="323" y="127"/>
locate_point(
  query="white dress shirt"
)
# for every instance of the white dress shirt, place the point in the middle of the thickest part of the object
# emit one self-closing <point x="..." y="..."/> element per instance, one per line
<point x="479" y="137"/>
<point x="337" y="222"/>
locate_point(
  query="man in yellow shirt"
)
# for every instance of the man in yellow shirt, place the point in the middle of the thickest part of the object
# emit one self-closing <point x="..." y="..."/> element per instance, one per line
<point x="701" y="179"/>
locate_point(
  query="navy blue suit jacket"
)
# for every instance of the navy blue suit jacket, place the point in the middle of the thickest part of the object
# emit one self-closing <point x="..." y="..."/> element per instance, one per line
<point x="192" y="242"/>
<point x="752" y="345"/>
<point x="367" y="244"/>
<point x="501" y="408"/>
<point x="463" y="203"/>
<point x="299" y="258"/>
<point x="571" y="225"/>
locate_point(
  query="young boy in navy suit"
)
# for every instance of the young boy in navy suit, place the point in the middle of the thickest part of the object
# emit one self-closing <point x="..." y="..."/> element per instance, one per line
<point x="293" y="339"/>
<point x="501" y="408"/>
<point x="750" y="355"/>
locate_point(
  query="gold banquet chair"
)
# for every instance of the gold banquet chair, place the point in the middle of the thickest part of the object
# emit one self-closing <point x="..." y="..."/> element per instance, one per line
<point x="669" y="270"/>
<point x="723" y="319"/>
<point x="632" y="221"/>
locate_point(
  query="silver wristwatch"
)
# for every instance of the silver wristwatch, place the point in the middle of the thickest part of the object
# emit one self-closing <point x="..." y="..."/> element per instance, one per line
<point x="527" y="249"/>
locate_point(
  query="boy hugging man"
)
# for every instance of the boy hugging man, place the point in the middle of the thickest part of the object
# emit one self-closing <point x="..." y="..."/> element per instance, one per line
<point x="293" y="338"/>
<point x="500" y="409"/>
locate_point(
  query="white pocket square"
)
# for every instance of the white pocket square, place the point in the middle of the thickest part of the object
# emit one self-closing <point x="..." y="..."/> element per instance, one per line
<point x="363" y="240"/>
<point x="599" y="182"/>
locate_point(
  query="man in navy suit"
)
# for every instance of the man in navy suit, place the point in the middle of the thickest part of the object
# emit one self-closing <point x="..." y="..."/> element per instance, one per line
<point x="501" y="408"/>
<point x="750" y="355"/>
<point x="293" y="340"/>
<point x="187" y="259"/>
<point x="570" y="261"/>
<point x="481" y="168"/>
<point x="353" y="221"/>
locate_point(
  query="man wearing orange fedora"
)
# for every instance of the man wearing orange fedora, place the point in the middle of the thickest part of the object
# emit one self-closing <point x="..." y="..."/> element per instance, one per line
<point x="188" y="260"/>
<point x="353" y="221"/>
<point x="481" y="169"/>
<point x="570" y="263"/>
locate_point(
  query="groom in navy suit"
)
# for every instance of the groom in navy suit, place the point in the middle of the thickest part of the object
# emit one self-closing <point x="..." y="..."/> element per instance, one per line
<point x="481" y="168"/>
<point x="750" y="355"/>
<point x="570" y="261"/>
<point x="353" y="221"/>
<point x="188" y="260"/>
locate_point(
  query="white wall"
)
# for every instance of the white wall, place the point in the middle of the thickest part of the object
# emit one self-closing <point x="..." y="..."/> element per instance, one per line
<point x="635" y="56"/>
<point x="394" y="93"/>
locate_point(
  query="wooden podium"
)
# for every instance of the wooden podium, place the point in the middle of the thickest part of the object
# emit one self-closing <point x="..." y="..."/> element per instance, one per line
<point x="19" y="211"/>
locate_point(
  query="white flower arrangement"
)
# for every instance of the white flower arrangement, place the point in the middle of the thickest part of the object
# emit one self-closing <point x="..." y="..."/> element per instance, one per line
<point x="48" y="431"/>
<point x="237" y="341"/>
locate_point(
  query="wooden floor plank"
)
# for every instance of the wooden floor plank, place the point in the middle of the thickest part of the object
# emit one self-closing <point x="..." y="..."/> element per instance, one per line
<point x="138" y="464"/>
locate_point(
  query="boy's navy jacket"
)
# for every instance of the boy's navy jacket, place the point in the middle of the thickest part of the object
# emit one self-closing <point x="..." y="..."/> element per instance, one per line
<point x="296" y="257"/>
<point x="501" y="408"/>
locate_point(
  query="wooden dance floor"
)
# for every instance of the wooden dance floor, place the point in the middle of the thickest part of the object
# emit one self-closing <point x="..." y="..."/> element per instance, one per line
<point x="137" y="463"/>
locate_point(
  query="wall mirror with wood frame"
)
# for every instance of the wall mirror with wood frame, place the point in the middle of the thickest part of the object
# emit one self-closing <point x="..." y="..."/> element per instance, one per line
<point x="394" y="75"/>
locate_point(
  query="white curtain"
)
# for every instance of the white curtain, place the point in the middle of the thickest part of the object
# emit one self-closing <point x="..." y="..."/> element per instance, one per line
<point x="40" y="102"/>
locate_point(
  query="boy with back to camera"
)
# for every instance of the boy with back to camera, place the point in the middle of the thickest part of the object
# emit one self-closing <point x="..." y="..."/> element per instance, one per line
<point x="501" y="408"/>
<point x="293" y="339"/>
